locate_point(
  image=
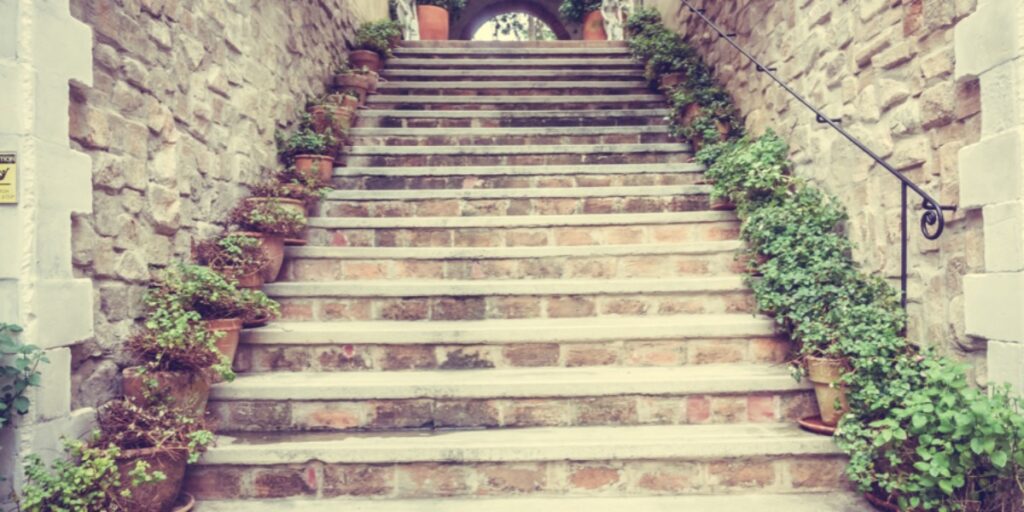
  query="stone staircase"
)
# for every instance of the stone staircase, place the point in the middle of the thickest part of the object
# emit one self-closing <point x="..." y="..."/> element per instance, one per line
<point x="517" y="297"/>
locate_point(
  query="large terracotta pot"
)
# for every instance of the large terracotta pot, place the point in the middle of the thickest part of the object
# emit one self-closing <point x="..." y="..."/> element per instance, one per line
<point x="229" y="328"/>
<point x="689" y="114"/>
<point x="156" y="496"/>
<point x="320" y="166"/>
<point x="336" y="117"/>
<point x="360" y="84"/>
<point x="287" y="203"/>
<point x="826" y="374"/>
<point x="187" y="391"/>
<point x="433" y="22"/>
<point x="273" y="248"/>
<point x="593" y="27"/>
<point x="365" y="59"/>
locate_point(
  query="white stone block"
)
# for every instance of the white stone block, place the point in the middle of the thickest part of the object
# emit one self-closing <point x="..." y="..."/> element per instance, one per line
<point x="1004" y="237"/>
<point x="53" y="244"/>
<point x="52" y="399"/>
<point x="9" y="300"/>
<point x="8" y="29"/>
<point x="64" y="312"/>
<point x="1006" y="364"/>
<point x="994" y="307"/>
<point x="11" y="92"/>
<point x="10" y="227"/>
<point x="989" y="37"/>
<point x="992" y="171"/>
<point x="62" y="44"/>
<point x="64" y="179"/>
<point x="1001" y="109"/>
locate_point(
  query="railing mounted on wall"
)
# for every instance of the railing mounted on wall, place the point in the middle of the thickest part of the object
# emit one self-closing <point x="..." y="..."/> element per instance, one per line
<point x="933" y="219"/>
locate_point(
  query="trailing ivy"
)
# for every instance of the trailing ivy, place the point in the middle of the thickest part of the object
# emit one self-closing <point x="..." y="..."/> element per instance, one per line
<point x="917" y="433"/>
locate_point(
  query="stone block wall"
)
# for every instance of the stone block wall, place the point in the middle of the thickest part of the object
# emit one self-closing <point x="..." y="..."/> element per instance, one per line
<point x="886" y="67"/>
<point x="186" y="99"/>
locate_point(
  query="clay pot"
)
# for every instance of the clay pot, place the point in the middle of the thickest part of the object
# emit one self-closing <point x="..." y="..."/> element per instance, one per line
<point x="273" y="248"/>
<point x="433" y="22"/>
<point x="826" y="373"/>
<point x="321" y="166"/>
<point x="251" y="281"/>
<point x="356" y="82"/>
<point x="255" y="320"/>
<point x="593" y="27"/>
<point x="671" y="80"/>
<point x="689" y="114"/>
<point x="880" y="504"/>
<point x="365" y="59"/>
<point x="187" y="391"/>
<point x="230" y="328"/>
<point x="159" y="496"/>
<point x="294" y="205"/>
<point x="335" y="117"/>
<point x="185" y="503"/>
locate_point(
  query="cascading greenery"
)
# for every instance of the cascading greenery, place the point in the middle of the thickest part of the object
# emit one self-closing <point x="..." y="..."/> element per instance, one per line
<point x="917" y="432"/>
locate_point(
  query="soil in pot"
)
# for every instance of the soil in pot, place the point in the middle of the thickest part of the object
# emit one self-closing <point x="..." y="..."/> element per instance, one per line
<point x="433" y="22"/>
<point x="321" y="166"/>
<point x="825" y="374"/>
<point x="187" y="391"/>
<point x="593" y="26"/>
<point x="230" y="329"/>
<point x="273" y="248"/>
<point x="365" y="59"/>
<point x="155" y="496"/>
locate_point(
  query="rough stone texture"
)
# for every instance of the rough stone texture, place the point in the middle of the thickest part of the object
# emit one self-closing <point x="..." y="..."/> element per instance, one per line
<point x="885" y="68"/>
<point x="181" y="117"/>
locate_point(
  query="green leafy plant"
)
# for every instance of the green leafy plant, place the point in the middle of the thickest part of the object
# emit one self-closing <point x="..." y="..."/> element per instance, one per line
<point x="575" y="10"/>
<point x="306" y="140"/>
<point x="454" y="7"/>
<point x="378" y="36"/>
<point x="86" y="481"/>
<point x="130" y="427"/>
<point x="231" y="254"/>
<point x="19" y="370"/>
<point x="268" y="217"/>
<point x="299" y="186"/>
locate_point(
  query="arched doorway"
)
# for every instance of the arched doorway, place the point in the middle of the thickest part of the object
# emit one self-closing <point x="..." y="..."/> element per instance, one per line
<point x="479" y="12"/>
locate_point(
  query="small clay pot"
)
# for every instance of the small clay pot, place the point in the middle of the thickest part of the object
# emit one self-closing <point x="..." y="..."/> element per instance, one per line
<point x="365" y="59"/>
<point x="826" y="373"/>
<point x="230" y="329"/>
<point x="251" y="281"/>
<point x="434" y="22"/>
<point x="593" y="26"/>
<point x="159" y="496"/>
<point x="359" y="83"/>
<point x="187" y="391"/>
<point x="185" y="503"/>
<point x="320" y="166"/>
<point x="335" y="117"/>
<point x="273" y="248"/>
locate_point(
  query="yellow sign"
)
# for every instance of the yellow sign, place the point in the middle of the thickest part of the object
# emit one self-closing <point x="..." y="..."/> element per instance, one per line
<point x="8" y="178"/>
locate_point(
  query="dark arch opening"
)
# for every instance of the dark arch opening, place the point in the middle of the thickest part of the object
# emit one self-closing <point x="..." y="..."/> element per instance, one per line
<point x="532" y="8"/>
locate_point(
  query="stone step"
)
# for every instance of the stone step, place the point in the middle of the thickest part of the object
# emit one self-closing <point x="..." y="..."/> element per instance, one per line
<point x="549" y="262"/>
<point x="394" y="346"/>
<point x="485" y="75"/>
<point x="514" y="201"/>
<point x="517" y="102"/>
<point x="581" y="461"/>
<point x="519" y="176"/>
<point x="492" y="155"/>
<point x="454" y="43"/>
<point x="483" y="299"/>
<point x="509" y="118"/>
<point x="802" y="502"/>
<point x="512" y="88"/>
<point x="509" y="398"/>
<point x="623" y="62"/>
<point x="433" y="137"/>
<point x="510" y="52"/>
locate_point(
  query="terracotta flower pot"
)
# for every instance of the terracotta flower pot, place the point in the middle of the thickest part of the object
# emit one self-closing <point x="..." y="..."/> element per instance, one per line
<point x="159" y="496"/>
<point x="251" y="281"/>
<point x="433" y="22"/>
<point x="230" y="328"/>
<point x="185" y="503"/>
<point x="825" y="374"/>
<point x="294" y="205"/>
<point x="187" y="391"/>
<point x="320" y="166"/>
<point x="273" y="248"/>
<point x="593" y="26"/>
<point x="689" y="114"/>
<point x="335" y="117"/>
<point x="879" y="503"/>
<point x="365" y="59"/>
<point x="358" y="83"/>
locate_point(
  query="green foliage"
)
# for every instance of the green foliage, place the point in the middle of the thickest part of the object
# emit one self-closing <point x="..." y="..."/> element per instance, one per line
<point x="643" y="19"/>
<point x="269" y="217"/>
<point x="231" y="254"/>
<point x="19" y="370"/>
<point x="129" y="427"/>
<point x="522" y="26"/>
<point x="306" y="140"/>
<point x="378" y="36"/>
<point x="575" y="10"/>
<point x="454" y="7"/>
<point x="84" y="482"/>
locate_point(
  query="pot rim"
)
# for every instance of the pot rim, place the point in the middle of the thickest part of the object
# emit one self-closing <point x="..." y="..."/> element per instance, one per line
<point x="224" y="324"/>
<point x="314" y="157"/>
<point x="286" y="200"/>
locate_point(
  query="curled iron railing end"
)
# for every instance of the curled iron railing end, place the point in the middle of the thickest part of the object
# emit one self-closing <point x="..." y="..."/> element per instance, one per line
<point x="933" y="220"/>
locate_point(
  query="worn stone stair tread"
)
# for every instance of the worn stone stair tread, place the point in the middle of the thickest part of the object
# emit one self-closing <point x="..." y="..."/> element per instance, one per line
<point x="515" y="100"/>
<point x="523" y="221"/>
<point x="478" y="74"/>
<point x="510" y="383"/>
<point x="512" y="84"/>
<point x="624" y="61"/>
<point x="677" y="442"/>
<point x="567" y="43"/>
<point x="530" y="130"/>
<point x="509" y="51"/>
<point x="517" y="193"/>
<point x="516" y="252"/>
<point x="803" y="502"/>
<point x="521" y="170"/>
<point x="547" y="149"/>
<point x="515" y="114"/>
<point x="493" y="287"/>
<point x="533" y="330"/>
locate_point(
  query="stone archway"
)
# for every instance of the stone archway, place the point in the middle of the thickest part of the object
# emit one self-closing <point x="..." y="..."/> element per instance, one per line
<point x="478" y="12"/>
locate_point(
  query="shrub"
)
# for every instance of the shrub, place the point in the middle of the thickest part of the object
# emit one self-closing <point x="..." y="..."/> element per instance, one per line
<point x="575" y="10"/>
<point x="84" y="482"/>
<point x="19" y="370"/>
<point x="378" y="36"/>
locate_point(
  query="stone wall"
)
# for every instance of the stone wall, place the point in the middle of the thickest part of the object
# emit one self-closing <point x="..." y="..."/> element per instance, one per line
<point x="186" y="99"/>
<point x="886" y="68"/>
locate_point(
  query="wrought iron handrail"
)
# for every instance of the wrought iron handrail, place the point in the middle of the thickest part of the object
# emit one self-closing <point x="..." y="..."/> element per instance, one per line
<point x="933" y="220"/>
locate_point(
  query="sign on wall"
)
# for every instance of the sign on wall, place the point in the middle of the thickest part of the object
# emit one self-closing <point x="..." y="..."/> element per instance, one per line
<point x="8" y="178"/>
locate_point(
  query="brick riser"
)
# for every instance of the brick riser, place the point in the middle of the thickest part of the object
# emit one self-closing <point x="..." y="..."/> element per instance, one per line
<point x="530" y="206"/>
<point x="428" y="414"/>
<point x="561" y="478"/>
<point x="493" y="182"/>
<point x="499" y="159"/>
<point x="397" y="90"/>
<point x="397" y="103"/>
<point x="539" y="120"/>
<point x="371" y="357"/>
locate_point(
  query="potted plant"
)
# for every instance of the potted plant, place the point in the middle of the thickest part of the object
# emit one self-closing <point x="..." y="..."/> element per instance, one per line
<point x="237" y="257"/>
<point x="359" y="80"/>
<point x="333" y="111"/>
<point x="308" y="149"/>
<point x="154" y="445"/>
<point x="374" y="41"/>
<point x="271" y="223"/>
<point x="434" y="17"/>
<point x="702" y="116"/>
<point x="85" y="481"/>
<point x="588" y="13"/>
<point x="298" y="195"/>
